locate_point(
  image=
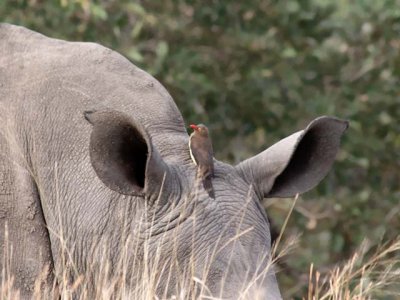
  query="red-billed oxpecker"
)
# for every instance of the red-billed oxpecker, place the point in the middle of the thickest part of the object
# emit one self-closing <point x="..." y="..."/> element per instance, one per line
<point x="201" y="152"/>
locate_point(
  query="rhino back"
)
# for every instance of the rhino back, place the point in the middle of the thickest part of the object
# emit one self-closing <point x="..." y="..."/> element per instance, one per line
<point x="52" y="82"/>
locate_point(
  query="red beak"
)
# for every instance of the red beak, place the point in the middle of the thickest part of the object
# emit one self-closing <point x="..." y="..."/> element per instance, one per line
<point x="195" y="127"/>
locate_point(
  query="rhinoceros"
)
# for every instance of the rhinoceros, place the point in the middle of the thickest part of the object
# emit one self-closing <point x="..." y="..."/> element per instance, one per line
<point x="94" y="155"/>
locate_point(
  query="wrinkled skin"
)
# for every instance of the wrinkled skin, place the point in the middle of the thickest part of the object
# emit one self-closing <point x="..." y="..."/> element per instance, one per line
<point x="94" y="150"/>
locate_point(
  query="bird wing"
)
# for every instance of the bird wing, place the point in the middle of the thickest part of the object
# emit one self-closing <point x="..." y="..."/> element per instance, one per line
<point x="190" y="151"/>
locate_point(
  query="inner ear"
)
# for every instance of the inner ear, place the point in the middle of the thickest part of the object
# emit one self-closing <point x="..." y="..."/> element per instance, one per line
<point x="312" y="159"/>
<point x="300" y="163"/>
<point x="118" y="152"/>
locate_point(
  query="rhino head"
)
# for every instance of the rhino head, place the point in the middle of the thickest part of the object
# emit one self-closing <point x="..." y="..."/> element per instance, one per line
<point x="222" y="245"/>
<point x="126" y="179"/>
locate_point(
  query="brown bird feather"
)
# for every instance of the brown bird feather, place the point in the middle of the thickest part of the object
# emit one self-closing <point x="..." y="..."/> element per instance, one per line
<point x="201" y="152"/>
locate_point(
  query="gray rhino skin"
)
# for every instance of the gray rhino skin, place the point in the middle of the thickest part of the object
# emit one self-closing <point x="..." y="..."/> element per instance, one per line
<point x="92" y="148"/>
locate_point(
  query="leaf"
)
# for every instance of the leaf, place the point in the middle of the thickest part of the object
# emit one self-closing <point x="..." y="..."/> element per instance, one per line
<point x="135" y="55"/>
<point x="98" y="11"/>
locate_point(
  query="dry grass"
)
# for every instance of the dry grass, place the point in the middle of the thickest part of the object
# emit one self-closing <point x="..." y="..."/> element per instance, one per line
<point x="359" y="278"/>
<point x="362" y="277"/>
<point x="108" y="277"/>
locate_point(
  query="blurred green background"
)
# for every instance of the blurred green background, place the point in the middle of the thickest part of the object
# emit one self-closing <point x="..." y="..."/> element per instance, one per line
<point x="257" y="70"/>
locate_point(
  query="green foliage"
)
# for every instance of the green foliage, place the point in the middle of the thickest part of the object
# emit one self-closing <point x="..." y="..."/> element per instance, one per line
<point x="257" y="70"/>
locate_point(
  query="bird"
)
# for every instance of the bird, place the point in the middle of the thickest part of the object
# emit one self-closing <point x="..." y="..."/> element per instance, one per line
<point x="201" y="152"/>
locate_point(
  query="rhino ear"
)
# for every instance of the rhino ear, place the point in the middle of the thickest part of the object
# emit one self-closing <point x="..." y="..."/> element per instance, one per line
<point x="297" y="163"/>
<point x="123" y="156"/>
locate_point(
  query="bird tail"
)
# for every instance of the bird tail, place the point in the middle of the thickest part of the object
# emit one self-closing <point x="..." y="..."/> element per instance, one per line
<point x="208" y="186"/>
